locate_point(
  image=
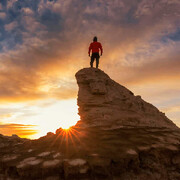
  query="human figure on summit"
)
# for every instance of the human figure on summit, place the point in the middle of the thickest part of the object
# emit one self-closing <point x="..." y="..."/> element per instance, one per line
<point x="95" y="46"/>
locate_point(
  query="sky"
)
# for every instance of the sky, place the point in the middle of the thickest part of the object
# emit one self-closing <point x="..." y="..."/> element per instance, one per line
<point x="43" y="43"/>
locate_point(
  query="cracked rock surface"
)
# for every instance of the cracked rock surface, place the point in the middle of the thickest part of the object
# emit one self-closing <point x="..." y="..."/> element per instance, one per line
<point x="103" y="102"/>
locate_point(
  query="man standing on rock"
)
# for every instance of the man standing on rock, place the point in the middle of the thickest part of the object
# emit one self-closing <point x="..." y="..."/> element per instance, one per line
<point x="95" y="46"/>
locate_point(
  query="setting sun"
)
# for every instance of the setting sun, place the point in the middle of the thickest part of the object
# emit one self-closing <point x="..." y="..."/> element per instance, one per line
<point x="45" y="116"/>
<point x="60" y="114"/>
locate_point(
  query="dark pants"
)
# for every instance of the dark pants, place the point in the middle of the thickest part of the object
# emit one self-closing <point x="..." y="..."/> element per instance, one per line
<point x="95" y="56"/>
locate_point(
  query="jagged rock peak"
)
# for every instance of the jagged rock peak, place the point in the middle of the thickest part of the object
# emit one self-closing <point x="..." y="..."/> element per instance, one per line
<point x="104" y="102"/>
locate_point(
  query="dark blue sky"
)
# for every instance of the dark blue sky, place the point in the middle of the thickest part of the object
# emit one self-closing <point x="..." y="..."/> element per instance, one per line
<point x="52" y="16"/>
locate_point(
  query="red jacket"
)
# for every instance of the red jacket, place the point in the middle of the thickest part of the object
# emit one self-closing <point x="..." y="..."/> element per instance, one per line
<point x="95" y="46"/>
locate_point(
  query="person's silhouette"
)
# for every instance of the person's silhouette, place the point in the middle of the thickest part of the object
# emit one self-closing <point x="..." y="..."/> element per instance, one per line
<point x="95" y="46"/>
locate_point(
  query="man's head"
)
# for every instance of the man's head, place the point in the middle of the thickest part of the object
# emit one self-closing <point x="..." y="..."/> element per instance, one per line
<point x="95" y="39"/>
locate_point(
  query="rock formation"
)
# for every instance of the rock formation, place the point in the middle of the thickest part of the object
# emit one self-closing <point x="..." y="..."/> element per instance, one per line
<point x="93" y="153"/>
<point x="90" y="151"/>
<point x="103" y="102"/>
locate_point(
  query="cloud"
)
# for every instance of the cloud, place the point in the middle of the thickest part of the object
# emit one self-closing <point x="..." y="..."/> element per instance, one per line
<point x="25" y="78"/>
<point x="27" y="11"/>
<point x="52" y="38"/>
<point x="162" y="68"/>
<point x="2" y="116"/>
<point x="175" y="108"/>
<point x="10" y="3"/>
<point x="11" y="26"/>
<point x="19" y="129"/>
<point x="173" y="112"/>
<point x="2" y="15"/>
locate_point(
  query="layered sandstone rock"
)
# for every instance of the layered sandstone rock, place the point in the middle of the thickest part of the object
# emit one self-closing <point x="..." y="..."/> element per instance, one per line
<point x="93" y="153"/>
<point x="103" y="102"/>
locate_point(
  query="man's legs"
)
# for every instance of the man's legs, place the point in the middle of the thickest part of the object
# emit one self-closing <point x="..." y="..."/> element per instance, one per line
<point x="92" y="60"/>
<point x="97" y="62"/>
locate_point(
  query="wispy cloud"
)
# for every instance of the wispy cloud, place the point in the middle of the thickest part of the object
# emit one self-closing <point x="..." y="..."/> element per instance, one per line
<point x="11" y="26"/>
<point x="2" y="15"/>
<point x="20" y="129"/>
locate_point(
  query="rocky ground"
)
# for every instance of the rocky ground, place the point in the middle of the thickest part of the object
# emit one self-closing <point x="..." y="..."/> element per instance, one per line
<point x="127" y="153"/>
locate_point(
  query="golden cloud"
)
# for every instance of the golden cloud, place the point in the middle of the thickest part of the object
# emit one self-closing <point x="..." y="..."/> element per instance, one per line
<point x="21" y="130"/>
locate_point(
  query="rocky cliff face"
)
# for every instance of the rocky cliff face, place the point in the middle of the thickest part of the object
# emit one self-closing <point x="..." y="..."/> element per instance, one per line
<point x="103" y="102"/>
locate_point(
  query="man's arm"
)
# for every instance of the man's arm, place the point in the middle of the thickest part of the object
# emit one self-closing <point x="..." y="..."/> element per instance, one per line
<point x="100" y="46"/>
<point x="90" y="47"/>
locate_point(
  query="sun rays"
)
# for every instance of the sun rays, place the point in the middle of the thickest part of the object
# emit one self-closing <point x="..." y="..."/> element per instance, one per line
<point x="68" y="139"/>
<point x="44" y="116"/>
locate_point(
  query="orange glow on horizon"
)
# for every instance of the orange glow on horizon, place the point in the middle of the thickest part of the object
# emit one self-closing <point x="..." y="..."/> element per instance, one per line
<point x="46" y="117"/>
